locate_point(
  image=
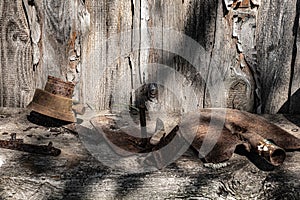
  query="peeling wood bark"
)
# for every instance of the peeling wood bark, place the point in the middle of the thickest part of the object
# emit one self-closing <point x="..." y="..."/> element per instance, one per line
<point x="64" y="32"/>
<point x="234" y="41"/>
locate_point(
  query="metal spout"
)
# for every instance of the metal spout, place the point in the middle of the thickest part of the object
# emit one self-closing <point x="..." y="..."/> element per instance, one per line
<point x="271" y="152"/>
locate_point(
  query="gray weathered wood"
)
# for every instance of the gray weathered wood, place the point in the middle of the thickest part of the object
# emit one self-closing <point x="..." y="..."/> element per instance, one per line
<point x="16" y="73"/>
<point x="275" y="46"/>
<point x="75" y="174"/>
<point x="295" y="65"/>
<point x="39" y="38"/>
<point x="250" y="47"/>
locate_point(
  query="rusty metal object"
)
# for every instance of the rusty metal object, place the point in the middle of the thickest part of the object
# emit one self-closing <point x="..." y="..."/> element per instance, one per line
<point x="271" y="152"/>
<point x="143" y="125"/>
<point x="58" y="87"/>
<point x="55" y="101"/>
<point x="265" y="148"/>
<point x="152" y="91"/>
<point x="234" y="4"/>
<point x="241" y="130"/>
<point x="245" y="4"/>
<point x="19" y="145"/>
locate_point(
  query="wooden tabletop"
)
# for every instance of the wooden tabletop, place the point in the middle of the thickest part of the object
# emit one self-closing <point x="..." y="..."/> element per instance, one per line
<point x="76" y="174"/>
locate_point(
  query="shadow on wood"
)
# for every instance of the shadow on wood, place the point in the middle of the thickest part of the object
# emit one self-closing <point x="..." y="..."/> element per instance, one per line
<point x="292" y="105"/>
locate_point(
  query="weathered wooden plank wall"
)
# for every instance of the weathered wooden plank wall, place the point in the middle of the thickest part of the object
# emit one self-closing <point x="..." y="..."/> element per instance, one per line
<point x="16" y="72"/>
<point x="230" y="54"/>
<point x="38" y="38"/>
<point x="295" y="65"/>
<point x="275" y="43"/>
<point x="253" y="44"/>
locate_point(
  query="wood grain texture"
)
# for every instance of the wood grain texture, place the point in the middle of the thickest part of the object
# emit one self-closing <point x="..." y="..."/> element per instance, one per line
<point x="75" y="174"/>
<point x="39" y="38"/>
<point x="117" y="81"/>
<point x="16" y="79"/>
<point x="295" y="66"/>
<point x="275" y="47"/>
<point x="96" y="44"/>
<point x="65" y="26"/>
<point x="233" y="42"/>
<point x="108" y="64"/>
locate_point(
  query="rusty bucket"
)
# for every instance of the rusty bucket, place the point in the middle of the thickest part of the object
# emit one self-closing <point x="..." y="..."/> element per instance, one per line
<point x="55" y="101"/>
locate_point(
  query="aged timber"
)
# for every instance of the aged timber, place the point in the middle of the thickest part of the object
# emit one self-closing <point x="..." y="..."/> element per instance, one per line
<point x="245" y="42"/>
<point x="75" y="174"/>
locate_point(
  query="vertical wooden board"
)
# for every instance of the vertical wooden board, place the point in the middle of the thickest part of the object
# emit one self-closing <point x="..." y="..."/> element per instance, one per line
<point x="105" y="69"/>
<point x="274" y="45"/>
<point x="107" y="72"/>
<point x="168" y="68"/>
<point x="95" y="56"/>
<point x="53" y="39"/>
<point x="122" y="80"/>
<point x="155" y="57"/>
<point x="145" y="38"/>
<point x="295" y="89"/>
<point x="295" y="82"/>
<point x="199" y="25"/>
<point x="16" y="78"/>
<point x="56" y="33"/>
<point x="230" y="81"/>
<point x="172" y="98"/>
<point x="200" y="21"/>
<point x="134" y="56"/>
<point x="64" y="26"/>
<point x="221" y="60"/>
<point x="183" y="79"/>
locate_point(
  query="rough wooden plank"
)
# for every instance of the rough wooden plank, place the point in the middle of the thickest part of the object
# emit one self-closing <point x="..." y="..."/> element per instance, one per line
<point x="75" y="174"/>
<point x="275" y="45"/>
<point x="39" y="38"/>
<point x="65" y="25"/>
<point x="107" y="70"/>
<point x="233" y="41"/>
<point x="114" y="82"/>
<point x="295" y="66"/>
<point x="53" y="40"/>
<point x="16" y="79"/>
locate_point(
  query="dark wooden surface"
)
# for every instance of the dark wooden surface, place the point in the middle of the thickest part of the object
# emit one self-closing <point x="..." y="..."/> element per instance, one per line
<point x="75" y="174"/>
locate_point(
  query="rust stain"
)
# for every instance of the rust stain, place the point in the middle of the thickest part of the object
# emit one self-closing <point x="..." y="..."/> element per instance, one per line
<point x="72" y="51"/>
<point x="245" y="4"/>
<point x="73" y="65"/>
<point x="72" y="40"/>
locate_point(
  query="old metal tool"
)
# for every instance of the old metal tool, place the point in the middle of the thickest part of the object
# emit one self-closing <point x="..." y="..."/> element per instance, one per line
<point x="151" y="94"/>
<point x="241" y="129"/>
<point x="263" y="147"/>
<point x="19" y="145"/>
<point x="55" y="101"/>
